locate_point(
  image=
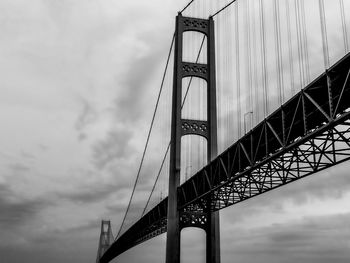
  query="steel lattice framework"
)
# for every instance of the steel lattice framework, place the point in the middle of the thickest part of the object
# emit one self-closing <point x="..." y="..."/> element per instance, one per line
<point x="307" y="134"/>
<point x="106" y="239"/>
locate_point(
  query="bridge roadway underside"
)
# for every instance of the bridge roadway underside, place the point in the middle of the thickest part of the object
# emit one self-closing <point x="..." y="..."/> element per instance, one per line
<point x="307" y="134"/>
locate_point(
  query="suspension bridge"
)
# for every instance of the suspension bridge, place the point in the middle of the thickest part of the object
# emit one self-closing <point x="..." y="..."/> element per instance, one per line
<point x="259" y="93"/>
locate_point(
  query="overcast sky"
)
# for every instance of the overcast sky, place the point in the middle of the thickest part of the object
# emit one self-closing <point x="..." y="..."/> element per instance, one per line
<point x="76" y="79"/>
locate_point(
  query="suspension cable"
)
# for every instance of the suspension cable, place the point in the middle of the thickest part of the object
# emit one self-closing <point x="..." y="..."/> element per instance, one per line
<point x="324" y="34"/>
<point x="186" y="6"/>
<point x="249" y="98"/>
<point x="238" y="79"/>
<point x="345" y="31"/>
<point x="148" y="136"/>
<point x="305" y="42"/>
<point x="264" y="63"/>
<point x="299" y="45"/>
<point x="290" y="50"/>
<point x="278" y="51"/>
<point x="189" y="83"/>
<point x="255" y="108"/>
<point x="222" y="9"/>
<point x="155" y="183"/>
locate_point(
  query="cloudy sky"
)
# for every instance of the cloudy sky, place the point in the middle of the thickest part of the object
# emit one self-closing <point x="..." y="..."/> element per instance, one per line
<point x="76" y="80"/>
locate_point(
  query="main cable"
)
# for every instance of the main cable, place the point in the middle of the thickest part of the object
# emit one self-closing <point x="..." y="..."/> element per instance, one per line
<point x="186" y="6"/>
<point x="189" y="83"/>
<point x="222" y="9"/>
<point x="159" y="172"/>
<point x="148" y="136"/>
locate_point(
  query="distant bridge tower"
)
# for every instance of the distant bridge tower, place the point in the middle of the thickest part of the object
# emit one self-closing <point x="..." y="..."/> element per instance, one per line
<point x="106" y="239"/>
<point x="196" y="217"/>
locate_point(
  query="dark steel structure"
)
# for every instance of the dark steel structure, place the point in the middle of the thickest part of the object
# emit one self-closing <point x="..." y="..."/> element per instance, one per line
<point x="106" y="239"/>
<point x="178" y="219"/>
<point x="309" y="133"/>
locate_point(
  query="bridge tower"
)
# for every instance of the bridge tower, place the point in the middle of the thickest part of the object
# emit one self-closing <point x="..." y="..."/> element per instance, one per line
<point x="197" y="217"/>
<point x="106" y="239"/>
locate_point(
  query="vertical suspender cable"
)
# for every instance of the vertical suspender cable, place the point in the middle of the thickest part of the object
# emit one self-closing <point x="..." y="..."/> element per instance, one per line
<point x="290" y="50"/>
<point x="299" y="46"/>
<point x="220" y="73"/>
<point x="255" y="70"/>
<point x="238" y="79"/>
<point x="345" y="31"/>
<point x="226" y="45"/>
<point x="278" y="51"/>
<point x="324" y="34"/>
<point x="249" y="66"/>
<point x="263" y="54"/>
<point x="305" y="42"/>
<point x="230" y="74"/>
<point x="281" y="68"/>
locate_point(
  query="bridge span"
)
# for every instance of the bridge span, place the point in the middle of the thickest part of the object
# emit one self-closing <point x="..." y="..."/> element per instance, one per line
<point x="307" y="134"/>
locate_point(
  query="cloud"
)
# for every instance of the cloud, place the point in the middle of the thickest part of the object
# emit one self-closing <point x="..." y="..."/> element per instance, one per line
<point x="107" y="55"/>
<point x="43" y="147"/>
<point x="115" y="146"/>
<point x="131" y="103"/>
<point x="90" y="187"/>
<point x="19" y="168"/>
<point x="142" y="55"/>
<point x="321" y="239"/>
<point x="69" y="245"/>
<point x="16" y="211"/>
<point x="93" y="193"/>
<point x="89" y="193"/>
<point x="110" y="55"/>
<point x="87" y="115"/>
<point x="28" y="155"/>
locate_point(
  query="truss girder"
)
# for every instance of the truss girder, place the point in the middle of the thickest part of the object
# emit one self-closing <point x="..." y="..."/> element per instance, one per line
<point x="318" y="153"/>
<point x="307" y="134"/>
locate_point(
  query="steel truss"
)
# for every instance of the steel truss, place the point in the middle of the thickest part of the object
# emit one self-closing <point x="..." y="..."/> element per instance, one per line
<point x="316" y="154"/>
<point x="309" y="133"/>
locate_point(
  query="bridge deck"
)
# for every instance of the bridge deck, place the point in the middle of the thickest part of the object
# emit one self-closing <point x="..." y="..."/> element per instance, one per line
<point x="309" y="133"/>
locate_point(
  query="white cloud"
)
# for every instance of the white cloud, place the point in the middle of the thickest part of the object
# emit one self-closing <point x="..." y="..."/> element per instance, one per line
<point x="77" y="87"/>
